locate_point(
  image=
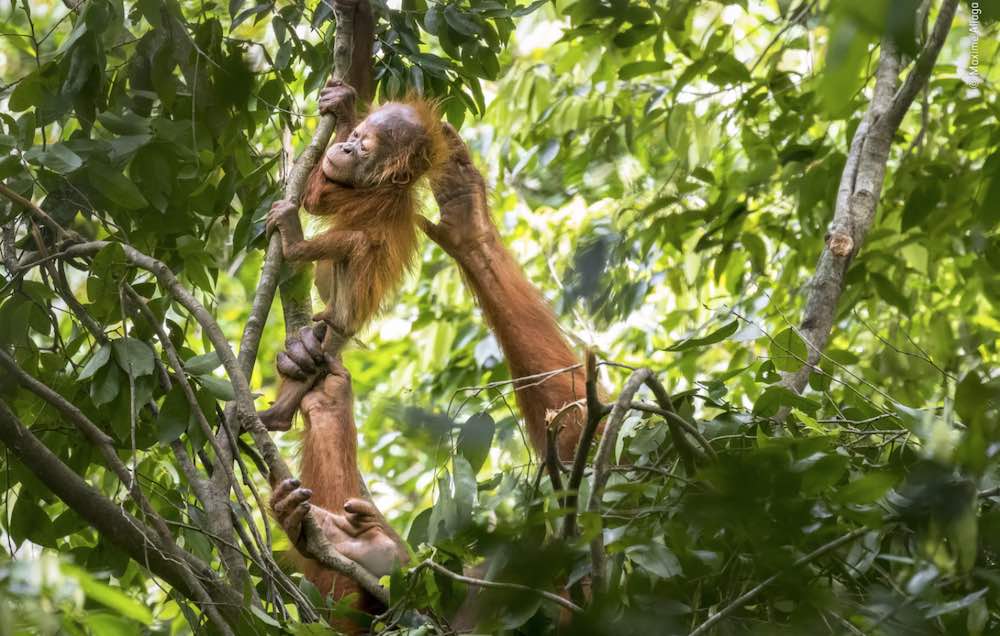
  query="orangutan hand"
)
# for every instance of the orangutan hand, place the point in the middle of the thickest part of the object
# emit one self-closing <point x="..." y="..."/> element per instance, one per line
<point x="331" y="395"/>
<point x="337" y="98"/>
<point x="460" y="192"/>
<point x="359" y="534"/>
<point x="303" y="355"/>
<point x="290" y="505"/>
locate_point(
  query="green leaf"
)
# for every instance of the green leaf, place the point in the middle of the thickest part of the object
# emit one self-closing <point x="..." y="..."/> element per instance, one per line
<point x="475" y="438"/>
<point x="655" y="558"/>
<point x="205" y="363"/>
<point x="444" y="515"/>
<point x="110" y="597"/>
<point x="841" y="77"/>
<point x="889" y="292"/>
<point x="465" y="490"/>
<point x="432" y="19"/>
<point x="823" y="474"/>
<point x="105" y="386"/>
<point x="788" y="351"/>
<point x="718" y="335"/>
<point x="25" y="518"/>
<point x="263" y="616"/>
<point x="921" y="203"/>
<point x="96" y="362"/>
<point x="115" y="187"/>
<point x="954" y="606"/>
<point x="636" y="69"/>
<point x="634" y="35"/>
<point x="461" y="22"/>
<point x="134" y="356"/>
<point x="866" y="489"/>
<point x="174" y="415"/>
<point x="127" y="123"/>
<point x="58" y="158"/>
<point x="775" y="397"/>
<point x="221" y="389"/>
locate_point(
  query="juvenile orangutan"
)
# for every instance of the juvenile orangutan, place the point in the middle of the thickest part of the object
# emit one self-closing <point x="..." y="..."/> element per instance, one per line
<point x="527" y="331"/>
<point x="365" y="188"/>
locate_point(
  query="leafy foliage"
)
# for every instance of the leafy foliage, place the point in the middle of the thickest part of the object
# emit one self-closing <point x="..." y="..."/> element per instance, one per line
<point x="664" y="171"/>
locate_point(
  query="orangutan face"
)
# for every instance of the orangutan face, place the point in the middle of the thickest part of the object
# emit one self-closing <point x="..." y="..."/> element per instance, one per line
<point x="377" y="150"/>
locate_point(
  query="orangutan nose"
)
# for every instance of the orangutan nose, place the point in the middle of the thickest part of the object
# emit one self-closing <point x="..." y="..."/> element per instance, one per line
<point x="339" y="148"/>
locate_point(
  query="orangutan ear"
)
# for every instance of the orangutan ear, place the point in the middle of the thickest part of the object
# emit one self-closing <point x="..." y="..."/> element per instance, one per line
<point x="402" y="178"/>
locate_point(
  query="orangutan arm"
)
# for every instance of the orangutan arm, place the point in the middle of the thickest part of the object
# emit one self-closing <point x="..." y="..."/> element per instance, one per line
<point x="517" y="312"/>
<point x="331" y="245"/>
<point x="330" y="489"/>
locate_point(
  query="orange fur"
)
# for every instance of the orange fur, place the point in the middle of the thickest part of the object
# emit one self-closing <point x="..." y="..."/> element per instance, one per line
<point x="371" y="238"/>
<point x="373" y="228"/>
<point x="329" y="468"/>
<point x="532" y="343"/>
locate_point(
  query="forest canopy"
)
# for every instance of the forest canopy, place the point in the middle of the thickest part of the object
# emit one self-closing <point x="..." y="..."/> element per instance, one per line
<point x="769" y="230"/>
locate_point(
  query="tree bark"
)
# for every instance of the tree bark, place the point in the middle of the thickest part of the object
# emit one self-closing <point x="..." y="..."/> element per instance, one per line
<point x="860" y="189"/>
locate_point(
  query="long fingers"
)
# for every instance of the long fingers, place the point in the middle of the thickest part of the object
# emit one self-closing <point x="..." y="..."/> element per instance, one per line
<point x="286" y="505"/>
<point x="336" y="366"/>
<point x="296" y="350"/>
<point x="361" y="508"/>
<point x="359" y="517"/>
<point x="430" y="228"/>
<point x="313" y="341"/>
<point x="290" y="504"/>
<point x="283" y="490"/>
<point x="289" y="368"/>
<point x="293" y="522"/>
<point x="459" y="151"/>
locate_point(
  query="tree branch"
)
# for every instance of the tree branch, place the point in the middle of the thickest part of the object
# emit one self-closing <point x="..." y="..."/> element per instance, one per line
<point x="36" y="211"/>
<point x="217" y="500"/>
<point x="549" y="596"/>
<point x="315" y="545"/>
<point x="595" y="411"/>
<point x="760" y="587"/>
<point x="860" y="189"/>
<point x="120" y="528"/>
<point x="601" y="462"/>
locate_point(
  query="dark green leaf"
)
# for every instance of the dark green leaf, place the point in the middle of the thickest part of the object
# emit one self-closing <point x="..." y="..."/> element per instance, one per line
<point x="205" y="363"/>
<point x="221" y="389"/>
<point x="718" y="335"/>
<point x="475" y="438"/>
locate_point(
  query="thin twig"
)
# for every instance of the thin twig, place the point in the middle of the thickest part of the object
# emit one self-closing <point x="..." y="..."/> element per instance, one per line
<point x="468" y="580"/>
<point x="36" y="211"/>
<point x="760" y="587"/>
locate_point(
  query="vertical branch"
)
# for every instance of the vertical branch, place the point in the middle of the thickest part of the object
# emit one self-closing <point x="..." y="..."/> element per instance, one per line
<point x="295" y="292"/>
<point x="861" y="186"/>
<point x="217" y="500"/>
<point x="601" y="464"/>
<point x="595" y="411"/>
